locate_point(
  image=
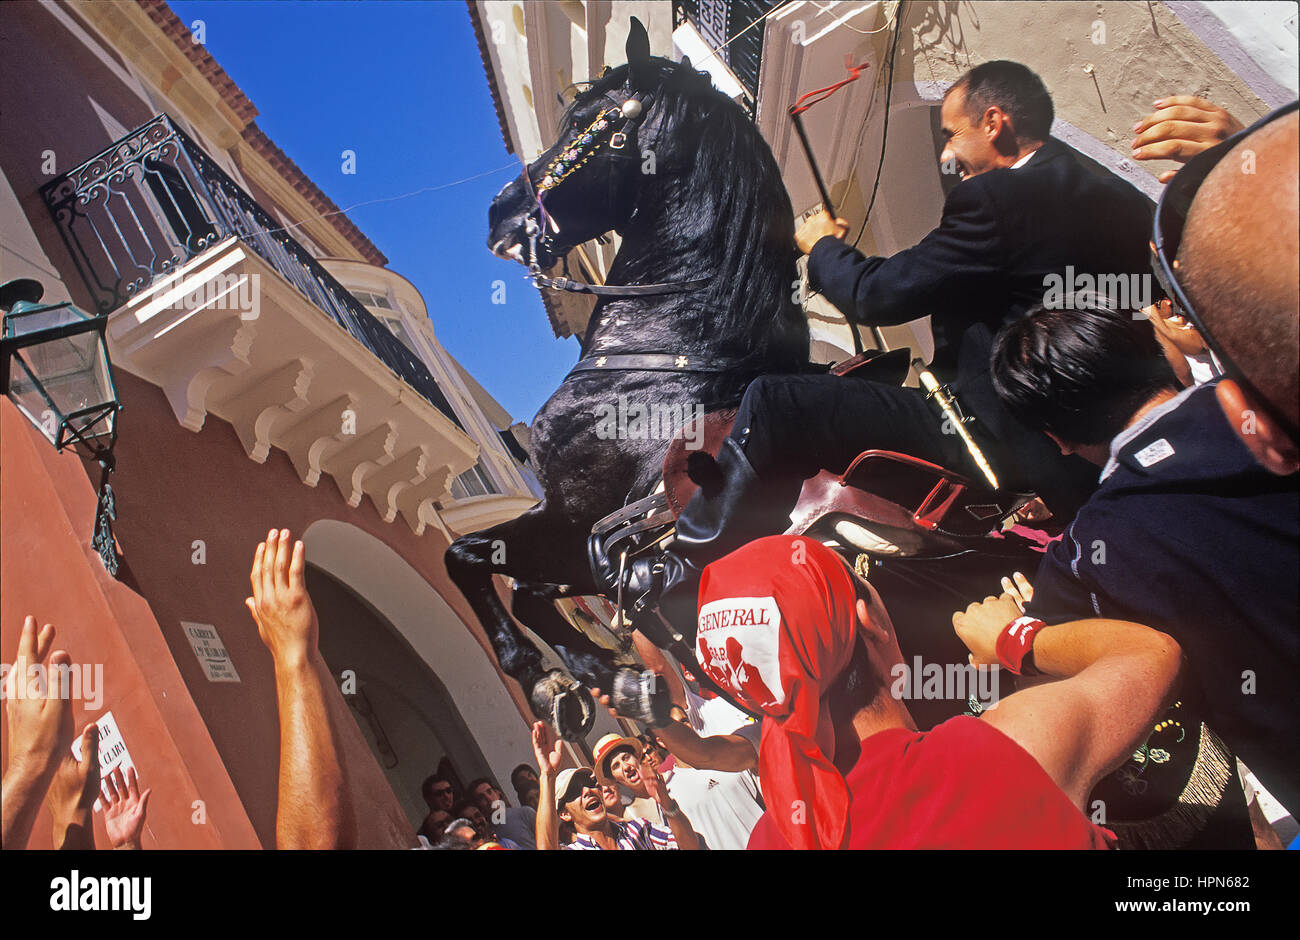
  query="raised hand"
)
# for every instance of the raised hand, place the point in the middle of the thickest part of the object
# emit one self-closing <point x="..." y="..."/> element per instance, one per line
<point x="286" y="619"/>
<point x="1179" y="128"/>
<point x="124" y="808"/>
<point x="548" y="750"/>
<point x="36" y="711"/>
<point x="71" y="797"/>
<point x="654" y="783"/>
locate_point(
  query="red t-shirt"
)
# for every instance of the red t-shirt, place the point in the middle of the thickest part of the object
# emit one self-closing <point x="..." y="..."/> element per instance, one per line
<point x="962" y="785"/>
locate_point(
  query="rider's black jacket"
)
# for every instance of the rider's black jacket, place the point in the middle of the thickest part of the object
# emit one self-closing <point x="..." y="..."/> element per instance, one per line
<point x="1002" y="235"/>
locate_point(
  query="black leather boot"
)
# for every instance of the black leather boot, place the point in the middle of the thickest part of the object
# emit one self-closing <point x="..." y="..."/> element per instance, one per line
<point x="729" y="510"/>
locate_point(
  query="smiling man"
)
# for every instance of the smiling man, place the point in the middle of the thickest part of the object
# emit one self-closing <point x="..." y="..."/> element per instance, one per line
<point x="574" y="796"/>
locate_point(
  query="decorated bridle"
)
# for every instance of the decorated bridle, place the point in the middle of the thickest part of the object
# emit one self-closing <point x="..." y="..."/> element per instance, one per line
<point x="609" y="131"/>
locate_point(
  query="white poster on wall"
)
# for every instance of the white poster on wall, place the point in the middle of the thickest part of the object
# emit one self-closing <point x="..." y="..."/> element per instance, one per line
<point x="210" y="652"/>
<point x="112" y="750"/>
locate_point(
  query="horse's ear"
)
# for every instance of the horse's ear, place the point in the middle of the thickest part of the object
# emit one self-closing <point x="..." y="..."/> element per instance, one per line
<point x="686" y="61"/>
<point x="638" y="46"/>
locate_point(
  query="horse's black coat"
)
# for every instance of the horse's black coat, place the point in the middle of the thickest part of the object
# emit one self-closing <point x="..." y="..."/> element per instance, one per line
<point x="713" y="206"/>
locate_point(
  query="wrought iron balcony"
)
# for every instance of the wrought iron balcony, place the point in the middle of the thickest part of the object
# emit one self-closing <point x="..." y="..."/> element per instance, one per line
<point x="155" y="199"/>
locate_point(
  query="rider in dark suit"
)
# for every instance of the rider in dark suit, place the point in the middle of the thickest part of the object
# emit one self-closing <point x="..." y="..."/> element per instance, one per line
<point x="1025" y="217"/>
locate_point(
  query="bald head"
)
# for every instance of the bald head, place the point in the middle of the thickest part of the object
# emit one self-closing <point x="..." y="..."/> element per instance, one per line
<point x="1238" y="262"/>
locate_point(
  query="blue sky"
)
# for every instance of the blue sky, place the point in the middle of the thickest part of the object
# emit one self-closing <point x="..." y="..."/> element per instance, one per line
<point x="403" y="86"/>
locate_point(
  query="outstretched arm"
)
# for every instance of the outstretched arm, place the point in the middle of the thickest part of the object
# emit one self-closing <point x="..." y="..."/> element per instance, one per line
<point x="1115" y="678"/>
<point x="727" y="752"/>
<point x="313" y="810"/>
<point x="683" y="832"/>
<point x="548" y="753"/>
<point x="40" y="730"/>
<point x="71" y="798"/>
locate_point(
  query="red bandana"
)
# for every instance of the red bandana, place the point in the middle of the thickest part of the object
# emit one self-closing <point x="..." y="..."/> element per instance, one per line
<point x="776" y="628"/>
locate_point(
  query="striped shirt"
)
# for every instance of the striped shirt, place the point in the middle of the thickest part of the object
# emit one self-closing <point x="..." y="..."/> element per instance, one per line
<point x="634" y="834"/>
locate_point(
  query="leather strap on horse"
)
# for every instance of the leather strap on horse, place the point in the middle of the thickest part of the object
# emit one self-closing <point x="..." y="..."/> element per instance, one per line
<point x="619" y="290"/>
<point x="657" y="362"/>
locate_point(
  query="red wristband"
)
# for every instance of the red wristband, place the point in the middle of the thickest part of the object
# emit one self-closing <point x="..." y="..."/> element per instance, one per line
<point x="1016" y="641"/>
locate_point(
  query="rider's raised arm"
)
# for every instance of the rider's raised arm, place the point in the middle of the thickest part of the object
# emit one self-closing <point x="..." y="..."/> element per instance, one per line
<point x="959" y="259"/>
<point x="1114" y="680"/>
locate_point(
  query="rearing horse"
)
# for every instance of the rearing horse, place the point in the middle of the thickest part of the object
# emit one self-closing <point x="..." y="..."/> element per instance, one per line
<point x="683" y="175"/>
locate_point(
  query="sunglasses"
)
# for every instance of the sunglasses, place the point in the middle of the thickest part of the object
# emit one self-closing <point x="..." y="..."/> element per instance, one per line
<point x="1167" y="236"/>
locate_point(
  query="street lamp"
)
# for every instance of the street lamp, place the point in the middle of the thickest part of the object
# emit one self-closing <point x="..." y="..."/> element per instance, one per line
<point x="54" y="366"/>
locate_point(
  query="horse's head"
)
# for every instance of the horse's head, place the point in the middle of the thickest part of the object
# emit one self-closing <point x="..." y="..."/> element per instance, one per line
<point x="586" y="184"/>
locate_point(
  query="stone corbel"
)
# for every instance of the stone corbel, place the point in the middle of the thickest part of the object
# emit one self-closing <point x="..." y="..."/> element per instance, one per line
<point x="311" y="438"/>
<point x="415" y="502"/>
<point x="187" y="374"/>
<point x="254" y="411"/>
<point x="384" y="484"/>
<point x="350" y="463"/>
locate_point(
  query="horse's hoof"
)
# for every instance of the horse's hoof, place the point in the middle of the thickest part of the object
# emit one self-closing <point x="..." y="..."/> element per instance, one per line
<point x="641" y="696"/>
<point x="566" y="704"/>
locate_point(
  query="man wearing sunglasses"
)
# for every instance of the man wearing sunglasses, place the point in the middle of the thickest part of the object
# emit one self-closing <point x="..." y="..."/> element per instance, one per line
<point x="1187" y="532"/>
<point x="1225" y="249"/>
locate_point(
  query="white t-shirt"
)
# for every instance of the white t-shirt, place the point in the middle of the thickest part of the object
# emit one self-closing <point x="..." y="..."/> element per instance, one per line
<point x="722" y="807"/>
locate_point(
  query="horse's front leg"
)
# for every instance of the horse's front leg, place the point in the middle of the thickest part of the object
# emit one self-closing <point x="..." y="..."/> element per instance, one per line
<point x="553" y="696"/>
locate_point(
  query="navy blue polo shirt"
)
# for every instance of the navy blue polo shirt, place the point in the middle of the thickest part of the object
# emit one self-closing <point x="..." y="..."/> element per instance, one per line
<point x="1188" y="534"/>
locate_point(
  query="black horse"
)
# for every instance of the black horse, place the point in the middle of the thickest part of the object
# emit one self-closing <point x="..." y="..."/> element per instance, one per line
<point x="696" y="195"/>
<point x="653" y="152"/>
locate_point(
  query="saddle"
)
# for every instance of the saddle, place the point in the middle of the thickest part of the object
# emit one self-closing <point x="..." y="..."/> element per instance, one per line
<point x="914" y="508"/>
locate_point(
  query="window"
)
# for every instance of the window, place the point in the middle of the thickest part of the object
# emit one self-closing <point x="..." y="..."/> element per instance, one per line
<point x="473" y="482"/>
<point x="373" y="300"/>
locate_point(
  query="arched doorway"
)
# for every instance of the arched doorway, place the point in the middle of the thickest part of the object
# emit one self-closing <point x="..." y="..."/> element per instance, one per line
<point x="453" y="689"/>
<point x="410" y="722"/>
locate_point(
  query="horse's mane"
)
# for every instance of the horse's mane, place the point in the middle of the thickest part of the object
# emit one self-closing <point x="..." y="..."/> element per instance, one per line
<point x="724" y="170"/>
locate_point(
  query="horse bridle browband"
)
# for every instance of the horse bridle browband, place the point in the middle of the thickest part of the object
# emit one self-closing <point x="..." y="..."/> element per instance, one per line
<point x="611" y="128"/>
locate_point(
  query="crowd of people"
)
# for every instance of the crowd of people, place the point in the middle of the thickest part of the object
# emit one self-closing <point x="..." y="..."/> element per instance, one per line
<point x="1158" y="636"/>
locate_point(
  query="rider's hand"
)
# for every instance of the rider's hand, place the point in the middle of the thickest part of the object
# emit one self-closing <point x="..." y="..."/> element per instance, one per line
<point x="1179" y="128"/>
<point x="548" y="751"/>
<point x="817" y="227"/>
<point x="979" y="625"/>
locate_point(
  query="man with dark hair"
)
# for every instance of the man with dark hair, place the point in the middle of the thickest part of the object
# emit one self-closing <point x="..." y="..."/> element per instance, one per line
<point x="438" y="792"/>
<point x="524" y="779"/>
<point x="1186" y="533"/>
<point x="1025" y="216"/>
<point x="1012" y="89"/>
<point x="516" y="823"/>
<point x="468" y="808"/>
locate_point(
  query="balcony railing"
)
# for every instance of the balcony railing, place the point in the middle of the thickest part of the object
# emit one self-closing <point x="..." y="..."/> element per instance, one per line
<point x="155" y="199"/>
<point x="719" y="20"/>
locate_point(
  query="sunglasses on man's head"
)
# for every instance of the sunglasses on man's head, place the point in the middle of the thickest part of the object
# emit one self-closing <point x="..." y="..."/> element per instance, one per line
<point x="1167" y="234"/>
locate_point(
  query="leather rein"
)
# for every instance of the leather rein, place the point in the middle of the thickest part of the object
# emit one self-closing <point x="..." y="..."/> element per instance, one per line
<point x="611" y="129"/>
